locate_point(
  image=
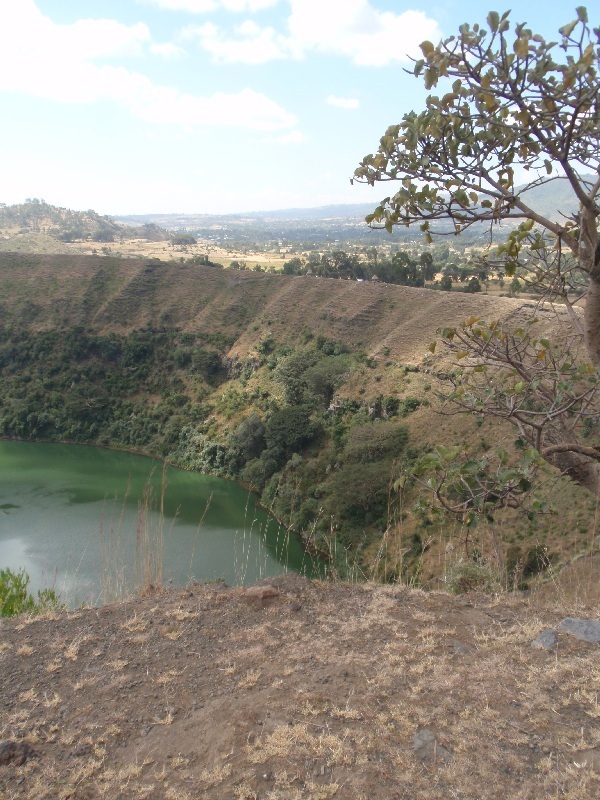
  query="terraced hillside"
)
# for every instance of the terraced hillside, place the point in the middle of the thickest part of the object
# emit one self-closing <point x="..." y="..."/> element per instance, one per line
<point x="56" y="291"/>
<point x="198" y="364"/>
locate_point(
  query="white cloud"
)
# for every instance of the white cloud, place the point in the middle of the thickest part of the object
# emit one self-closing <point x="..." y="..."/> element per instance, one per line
<point x="43" y="59"/>
<point x="342" y="102"/>
<point x="357" y="30"/>
<point x="250" y="44"/>
<point x="354" y="29"/>
<point x="167" y="50"/>
<point x="205" y="6"/>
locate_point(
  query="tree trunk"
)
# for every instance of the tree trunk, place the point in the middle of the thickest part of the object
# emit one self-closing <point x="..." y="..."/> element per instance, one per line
<point x="592" y="320"/>
<point x="589" y="255"/>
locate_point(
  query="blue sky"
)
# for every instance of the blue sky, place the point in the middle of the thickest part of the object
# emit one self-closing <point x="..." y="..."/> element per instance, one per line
<point x="213" y="106"/>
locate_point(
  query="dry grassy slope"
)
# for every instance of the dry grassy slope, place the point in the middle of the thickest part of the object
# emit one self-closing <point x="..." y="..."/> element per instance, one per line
<point x="323" y="692"/>
<point x="113" y="294"/>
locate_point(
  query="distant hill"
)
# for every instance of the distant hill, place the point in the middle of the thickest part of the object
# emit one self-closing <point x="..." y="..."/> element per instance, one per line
<point x="65" y="225"/>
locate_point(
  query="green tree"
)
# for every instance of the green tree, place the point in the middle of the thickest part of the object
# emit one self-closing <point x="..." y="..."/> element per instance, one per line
<point x="427" y="265"/>
<point x="473" y="286"/>
<point x="510" y="100"/>
<point x="183" y="239"/>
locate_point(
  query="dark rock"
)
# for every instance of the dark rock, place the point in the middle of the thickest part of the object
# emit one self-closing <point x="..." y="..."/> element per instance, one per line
<point x="15" y="752"/>
<point x="545" y="640"/>
<point x="428" y="749"/>
<point x="587" y="630"/>
<point x="294" y="607"/>
<point x="82" y="750"/>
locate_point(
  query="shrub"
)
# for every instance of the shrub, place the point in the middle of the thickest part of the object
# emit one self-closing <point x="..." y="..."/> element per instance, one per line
<point x="290" y="429"/>
<point x="469" y="576"/>
<point x="324" y="377"/>
<point x="249" y="438"/>
<point x="359" y="492"/>
<point x="374" y="441"/>
<point x="15" y="597"/>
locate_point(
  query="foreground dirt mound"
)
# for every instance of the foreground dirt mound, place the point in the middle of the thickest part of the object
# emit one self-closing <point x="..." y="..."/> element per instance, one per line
<point x="300" y="690"/>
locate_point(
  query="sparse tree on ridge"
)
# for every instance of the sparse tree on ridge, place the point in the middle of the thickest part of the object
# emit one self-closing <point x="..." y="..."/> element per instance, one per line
<point x="511" y="104"/>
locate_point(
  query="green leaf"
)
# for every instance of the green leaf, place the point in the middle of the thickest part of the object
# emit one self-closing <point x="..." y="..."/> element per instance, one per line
<point x="431" y="77"/>
<point x="419" y="67"/>
<point x="567" y="30"/>
<point x="427" y="48"/>
<point x="493" y="20"/>
<point x="582" y="13"/>
<point x="521" y="46"/>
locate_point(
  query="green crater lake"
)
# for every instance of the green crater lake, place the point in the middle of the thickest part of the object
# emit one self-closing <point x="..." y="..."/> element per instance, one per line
<point x="87" y="522"/>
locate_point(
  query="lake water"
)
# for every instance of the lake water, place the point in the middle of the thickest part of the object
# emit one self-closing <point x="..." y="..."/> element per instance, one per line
<point x="81" y="520"/>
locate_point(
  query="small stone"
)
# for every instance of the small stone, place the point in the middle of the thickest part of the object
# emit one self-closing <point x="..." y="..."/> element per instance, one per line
<point x="588" y="758"/>
<point x="544" y="640"/>
<point x="262" y="592"/>
<point x="587" y="630"/>
<point x="428" y="749"/>
<point x="294" y="607"/>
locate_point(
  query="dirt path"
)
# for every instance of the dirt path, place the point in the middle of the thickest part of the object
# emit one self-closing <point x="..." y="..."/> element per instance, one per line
<point x="306" y="691"/>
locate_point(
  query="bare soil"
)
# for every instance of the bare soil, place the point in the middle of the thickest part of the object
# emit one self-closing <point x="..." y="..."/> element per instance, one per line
<point x="301" y="689"/>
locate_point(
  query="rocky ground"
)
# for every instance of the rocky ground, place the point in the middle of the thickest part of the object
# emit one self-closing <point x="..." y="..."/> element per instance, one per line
<point x="298" y="689"/>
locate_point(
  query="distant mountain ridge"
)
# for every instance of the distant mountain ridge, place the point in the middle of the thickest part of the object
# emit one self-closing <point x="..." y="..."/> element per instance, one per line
<point x="335" y="223"/>
<point x="553" y="199"/>
<point x="174" y="220"/>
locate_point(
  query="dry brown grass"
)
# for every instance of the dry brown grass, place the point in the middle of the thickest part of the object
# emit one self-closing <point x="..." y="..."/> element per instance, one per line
<point x="274" y="704"/>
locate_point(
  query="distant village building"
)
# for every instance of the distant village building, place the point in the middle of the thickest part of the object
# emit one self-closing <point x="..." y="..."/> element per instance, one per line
<point x="374" y="279"/>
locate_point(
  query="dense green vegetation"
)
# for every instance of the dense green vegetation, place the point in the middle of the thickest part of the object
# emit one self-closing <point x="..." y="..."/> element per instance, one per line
<point x="321" y="466"/>
<point x="77" y="386"/>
